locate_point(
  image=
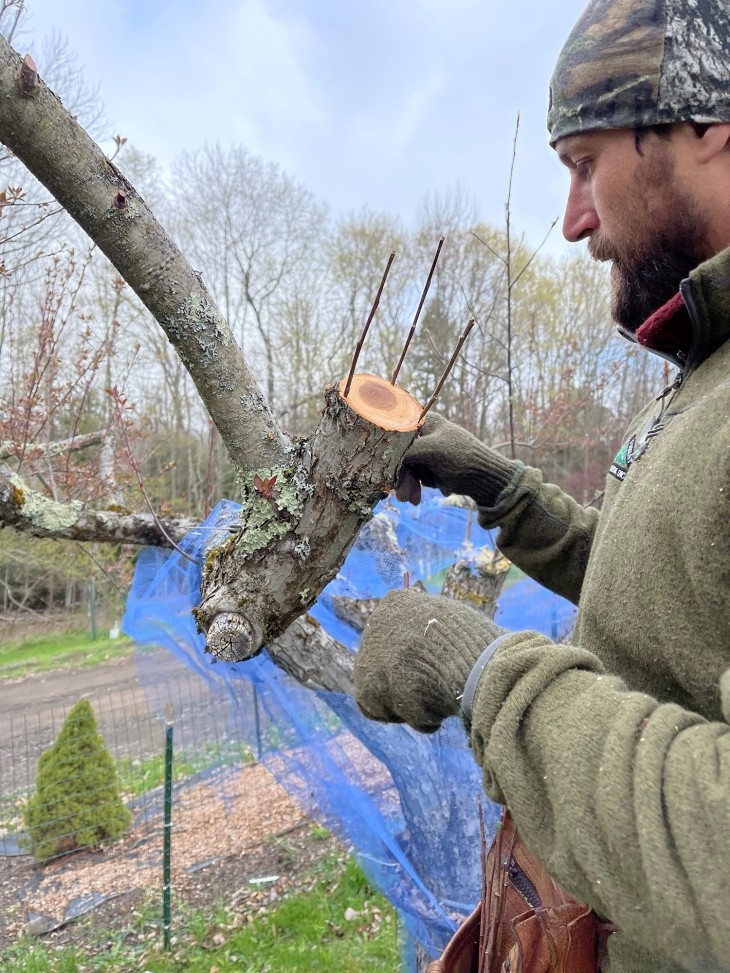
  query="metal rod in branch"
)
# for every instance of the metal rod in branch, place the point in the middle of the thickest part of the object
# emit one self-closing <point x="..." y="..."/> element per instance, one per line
<point x="373" y="309"/>
<point x="418" y="312"/>
<point x="457" y="350"/>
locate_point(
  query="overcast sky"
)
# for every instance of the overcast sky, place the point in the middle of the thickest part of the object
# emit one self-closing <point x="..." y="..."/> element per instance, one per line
<point x="374" y="103"/>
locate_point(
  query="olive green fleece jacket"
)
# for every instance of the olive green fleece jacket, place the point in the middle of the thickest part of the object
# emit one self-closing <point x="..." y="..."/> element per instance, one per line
<point x="613" y="753"/>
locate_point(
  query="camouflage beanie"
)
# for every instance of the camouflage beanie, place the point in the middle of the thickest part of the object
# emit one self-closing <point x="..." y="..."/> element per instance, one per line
<point x="634" y="63"/>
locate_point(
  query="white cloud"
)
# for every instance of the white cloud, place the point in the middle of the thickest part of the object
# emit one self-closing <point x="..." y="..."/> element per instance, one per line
<point x="373" y="103"/>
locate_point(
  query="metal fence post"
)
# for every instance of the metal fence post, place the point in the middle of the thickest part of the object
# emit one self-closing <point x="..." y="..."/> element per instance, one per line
<point x="167" y="829"/>
<point x="92" y="608"/>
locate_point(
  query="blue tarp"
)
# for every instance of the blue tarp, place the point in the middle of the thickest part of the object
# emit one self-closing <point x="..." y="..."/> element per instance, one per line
<point x="407" y="804"/>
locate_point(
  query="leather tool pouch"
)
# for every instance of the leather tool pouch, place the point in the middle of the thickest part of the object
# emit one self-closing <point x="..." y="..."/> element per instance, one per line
<point x="525" y="922"/>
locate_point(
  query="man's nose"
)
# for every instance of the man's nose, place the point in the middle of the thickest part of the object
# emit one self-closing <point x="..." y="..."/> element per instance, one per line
<point x="581" y="219"/>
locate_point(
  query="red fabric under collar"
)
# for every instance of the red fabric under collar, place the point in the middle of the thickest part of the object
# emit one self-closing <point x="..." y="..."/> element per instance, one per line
<point x="668" y="329"/>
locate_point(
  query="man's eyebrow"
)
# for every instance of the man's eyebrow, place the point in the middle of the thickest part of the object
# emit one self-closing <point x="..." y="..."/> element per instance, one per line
<point x="565" y="156"/>
<point x="567" y="153"/>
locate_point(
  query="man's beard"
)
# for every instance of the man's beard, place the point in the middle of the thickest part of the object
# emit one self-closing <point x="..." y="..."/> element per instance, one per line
<point x="644" y="276"/>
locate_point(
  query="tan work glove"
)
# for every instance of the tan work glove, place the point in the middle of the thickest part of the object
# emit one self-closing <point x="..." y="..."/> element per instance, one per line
<point x="415" y="657"/>
<point x="449" y="458"/>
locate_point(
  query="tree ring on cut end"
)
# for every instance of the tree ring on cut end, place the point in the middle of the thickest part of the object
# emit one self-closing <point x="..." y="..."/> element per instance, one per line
<point x="231" y="638"/>
<point x="385" y="405"/>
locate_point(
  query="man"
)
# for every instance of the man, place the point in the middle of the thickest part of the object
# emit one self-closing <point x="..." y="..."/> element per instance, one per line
<point x="612" y="753"/>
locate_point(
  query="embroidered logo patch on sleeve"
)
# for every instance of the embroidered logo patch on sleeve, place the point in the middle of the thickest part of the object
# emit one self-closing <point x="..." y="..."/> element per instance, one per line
<point x="624" y="458"/>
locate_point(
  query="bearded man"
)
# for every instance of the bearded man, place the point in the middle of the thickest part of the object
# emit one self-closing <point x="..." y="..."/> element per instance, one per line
<point x="612" y="753"/>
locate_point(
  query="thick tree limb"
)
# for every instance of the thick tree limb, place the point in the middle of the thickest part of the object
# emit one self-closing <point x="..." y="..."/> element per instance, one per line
<point x="34" y="514"/>
<point x="47" y="450"/>
<point x="307" y="653"/>
<point x="59" y="153"/>
<point x="297" y="527"/>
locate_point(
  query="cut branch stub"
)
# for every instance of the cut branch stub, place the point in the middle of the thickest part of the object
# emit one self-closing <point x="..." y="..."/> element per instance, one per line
<point x="383" y="404"/>
<point x="294" y="537"/>
<point x="28" y="75"/>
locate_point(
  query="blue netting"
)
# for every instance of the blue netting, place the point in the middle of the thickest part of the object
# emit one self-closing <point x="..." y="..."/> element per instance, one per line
<point x="407" y="804"/>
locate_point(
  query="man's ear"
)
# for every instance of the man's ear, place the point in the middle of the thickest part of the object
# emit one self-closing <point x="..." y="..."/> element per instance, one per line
<point x="714" y="140"/>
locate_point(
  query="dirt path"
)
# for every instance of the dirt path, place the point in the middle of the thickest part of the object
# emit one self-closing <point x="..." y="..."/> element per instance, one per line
<point x="58" y="689"/>
<point x="130" y="716"/>
<point x="64" y="687"/>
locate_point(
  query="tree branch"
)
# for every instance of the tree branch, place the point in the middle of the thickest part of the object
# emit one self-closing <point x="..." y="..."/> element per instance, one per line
<point x="59" y="153"/>
<point x="307" y="653"/>
<point x="34" y="514"/>
<point x="48" y="450"/>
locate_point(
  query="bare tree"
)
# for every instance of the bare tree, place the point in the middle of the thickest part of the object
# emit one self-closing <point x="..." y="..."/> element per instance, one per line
<point x="253" y="229"/>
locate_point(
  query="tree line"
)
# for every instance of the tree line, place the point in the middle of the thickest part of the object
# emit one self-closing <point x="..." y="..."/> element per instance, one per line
<point x="97" y="409"/>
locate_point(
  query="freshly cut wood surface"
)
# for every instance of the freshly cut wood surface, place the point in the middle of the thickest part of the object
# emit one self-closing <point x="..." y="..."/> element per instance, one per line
<point x="385" y="405"/>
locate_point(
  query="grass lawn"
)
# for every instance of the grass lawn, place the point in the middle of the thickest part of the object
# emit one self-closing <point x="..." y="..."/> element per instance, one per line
<point x="70" y="650"/>
<point x="339" y="923"/>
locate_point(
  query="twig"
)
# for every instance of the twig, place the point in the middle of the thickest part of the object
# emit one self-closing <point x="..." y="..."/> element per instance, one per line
<point x="30" y="226"/>
<point x="597" y="499"/>
<point x="107" y="575"/>
<point x="532" y="444"/>
<point x="374" y="308"/>
<point x="23" y="607"/>
<point x="485" y="244"/>
<point x="457" y="350"/>
<point x="418" y="312"/>
<point x="508" y="265"/>
<point x="467" y="364"/>
<point x="535" y="252"/>
<point x="135" y="467"/>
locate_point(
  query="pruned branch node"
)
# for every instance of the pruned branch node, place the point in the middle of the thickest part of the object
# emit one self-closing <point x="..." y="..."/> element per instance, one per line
<point x="28" y="75"/>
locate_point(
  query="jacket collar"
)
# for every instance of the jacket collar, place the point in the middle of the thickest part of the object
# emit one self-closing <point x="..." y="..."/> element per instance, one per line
<point x="696" y="321"/>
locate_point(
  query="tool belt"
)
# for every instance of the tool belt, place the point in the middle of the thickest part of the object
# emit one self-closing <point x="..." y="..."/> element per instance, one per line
<point x="525" y="922"/>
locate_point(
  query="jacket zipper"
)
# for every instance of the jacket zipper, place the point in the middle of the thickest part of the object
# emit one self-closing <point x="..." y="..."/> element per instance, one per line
<point x="656" y="424"/>
<point x="685" y="289"/>
<point x="523" y="885"/>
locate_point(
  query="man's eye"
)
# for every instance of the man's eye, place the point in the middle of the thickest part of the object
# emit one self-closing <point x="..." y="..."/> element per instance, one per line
<point x="583" y="167"/>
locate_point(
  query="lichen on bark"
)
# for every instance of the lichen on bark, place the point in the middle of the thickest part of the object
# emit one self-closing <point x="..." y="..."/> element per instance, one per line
<point x="43" y="512"/>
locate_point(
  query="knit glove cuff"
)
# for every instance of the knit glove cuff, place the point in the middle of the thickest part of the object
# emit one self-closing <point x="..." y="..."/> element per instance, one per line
<point x="415" y="657"/>
<point x="451" y="459"/>
<point x="490" y="474"/>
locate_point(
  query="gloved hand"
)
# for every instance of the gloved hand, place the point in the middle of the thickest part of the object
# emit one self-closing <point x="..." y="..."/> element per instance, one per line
<point x="449" y="458"/>
<point x="415" y="657"/>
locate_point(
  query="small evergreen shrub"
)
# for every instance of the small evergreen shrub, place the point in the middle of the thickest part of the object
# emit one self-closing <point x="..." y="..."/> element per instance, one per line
<point x="76" y="803"/>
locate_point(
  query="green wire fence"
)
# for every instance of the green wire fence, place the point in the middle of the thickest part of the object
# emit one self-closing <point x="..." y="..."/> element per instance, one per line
<point x="223" y="804"/>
